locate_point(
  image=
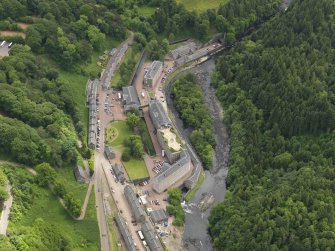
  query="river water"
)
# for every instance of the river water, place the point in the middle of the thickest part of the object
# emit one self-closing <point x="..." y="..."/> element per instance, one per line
<point x="195" y="235"/>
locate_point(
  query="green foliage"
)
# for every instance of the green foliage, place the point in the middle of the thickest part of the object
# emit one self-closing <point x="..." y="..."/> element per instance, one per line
<point x="189" y="102"/>
<point x="135" y="145"/>
<point x="3" y="190"/>
<point x="126" y="155"/>
<point x="45" y="174"/>
<point x="136" y="124"/>
<point x="72" y="204"/>
<point x="277" y="93"/>
<point x="91" y="166"/>
<point x="133" y="121"/>
<point x="174" y="208"/>
<point x="39" y="222"/>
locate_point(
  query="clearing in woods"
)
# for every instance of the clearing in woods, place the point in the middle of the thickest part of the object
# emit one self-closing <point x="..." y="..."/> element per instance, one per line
<point x="201" y="5"/>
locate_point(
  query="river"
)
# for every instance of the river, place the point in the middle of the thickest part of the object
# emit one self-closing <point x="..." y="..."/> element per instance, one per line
<point x="195" y="235"/>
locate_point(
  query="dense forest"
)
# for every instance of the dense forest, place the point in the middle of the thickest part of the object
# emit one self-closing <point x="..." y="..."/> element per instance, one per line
<point x="277" y="90"/>
<point x="189" y="102"/>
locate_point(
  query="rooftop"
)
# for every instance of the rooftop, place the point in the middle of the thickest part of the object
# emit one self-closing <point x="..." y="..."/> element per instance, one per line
<point x="171" y="139"/>
<point x="153" y="69"/>
<point x="151" y="237"/>
<point x="169" y="171"/>
<point x="158" y="215"/>
<point x="159" y="114"/>
<point x="128" y="240"/>
<point x="130" y="96"/>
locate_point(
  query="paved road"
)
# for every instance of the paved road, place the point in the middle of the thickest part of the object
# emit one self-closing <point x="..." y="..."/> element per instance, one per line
<point x="5" y="213"/>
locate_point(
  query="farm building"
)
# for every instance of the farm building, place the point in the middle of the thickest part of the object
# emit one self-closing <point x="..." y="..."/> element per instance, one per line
<point x="128" y="240"/>
<point x="159" y="216"/>
<point x="109" y="152"/>
<point x="158" y="115"/>
<point x="117" y="169"/>
<point x="80" y="174"/>
<point x="182" y="50"/>
<point x="134" y="204"/>
<point x="172" y="173"/>
<point x="151" y="237"/>
<point x="129" y="98"/>
<point x="153" y="73"/>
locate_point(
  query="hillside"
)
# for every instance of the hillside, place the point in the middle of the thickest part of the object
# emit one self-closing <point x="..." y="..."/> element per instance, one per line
<point x="277" y="90"/>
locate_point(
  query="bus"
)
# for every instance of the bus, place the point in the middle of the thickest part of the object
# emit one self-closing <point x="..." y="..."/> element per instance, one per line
<point x="2" y="44"/>
<point x="140" y="235"/>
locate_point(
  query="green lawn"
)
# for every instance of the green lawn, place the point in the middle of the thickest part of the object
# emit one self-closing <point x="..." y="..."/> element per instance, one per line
<point x="136" y="169"/>
<point x="84" y="235"/>
<point x="146" y="11"/>
<point x="121" y="133"/>
<point x="66" y="175"/>
<point x="201" y="5"/>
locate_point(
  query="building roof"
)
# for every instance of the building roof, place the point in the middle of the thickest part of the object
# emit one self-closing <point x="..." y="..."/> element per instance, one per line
<point x="151" y="237"/>
<point x="183" y="50"/>
<point x="130" y="96"/>
<point x="117" y="168"/>
<point x="128" y="240"/>
<point x="80" y="174"/>
<point x="174" y="167"/>
<point x="171" y="139"/>
<point x="134" y="204"/>
<point x="109" y="150"/>
<point x="158" y="215"/>
<point x="155" y="65"/>
<point x="158" y="113"/>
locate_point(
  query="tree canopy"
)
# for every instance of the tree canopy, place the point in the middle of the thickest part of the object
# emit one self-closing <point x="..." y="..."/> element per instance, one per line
<point x="277" y="93"/>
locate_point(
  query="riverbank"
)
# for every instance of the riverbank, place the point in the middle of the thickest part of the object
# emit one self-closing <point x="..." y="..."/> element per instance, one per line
<point x="212" y="190"/>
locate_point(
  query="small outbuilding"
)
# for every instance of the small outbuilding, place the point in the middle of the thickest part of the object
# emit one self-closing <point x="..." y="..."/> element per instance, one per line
<point x="118" y="171"/>
<point x="109" y="153"/>
<point x="159" y="216"/>
<point x="80" y="174"/>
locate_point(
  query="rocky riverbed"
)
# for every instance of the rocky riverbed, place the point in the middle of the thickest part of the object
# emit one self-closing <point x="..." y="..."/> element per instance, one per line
<point x="213" y="188"/>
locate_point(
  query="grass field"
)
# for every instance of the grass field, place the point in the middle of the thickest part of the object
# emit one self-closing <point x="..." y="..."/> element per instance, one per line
<point x="136" y="169"/>
<point x="77" y="80"/>
<point x="146" y="11"/>
<point x="66" y="175"/>
<point x="201" y="5"/>
<point x="84" y="235"/>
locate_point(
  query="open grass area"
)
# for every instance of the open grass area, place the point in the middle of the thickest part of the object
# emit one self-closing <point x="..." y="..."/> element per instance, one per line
<point x="146" y="11"/>
<point x="136" y="169"/>
<point x="121" y="132"/>
<point x="77" y="79"/>
<point x="67" y="177"/>
<point x="83" y="235"/>
<point x="191" y="193"/>
<point x="116" y="134"/>
<point x="201" y="5"/>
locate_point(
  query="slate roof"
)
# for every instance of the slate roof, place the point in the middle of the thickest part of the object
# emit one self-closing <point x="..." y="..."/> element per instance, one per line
<point x="151" y="237"/>
<point x="128" y="240"/>
<point x="158" y="114"/>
